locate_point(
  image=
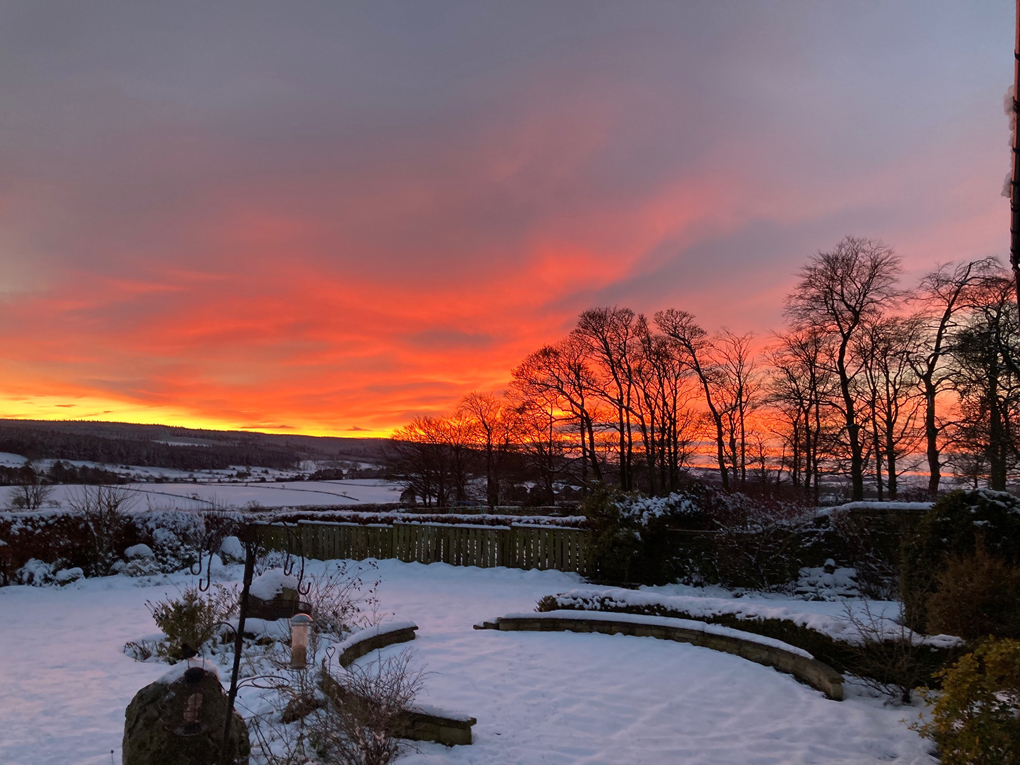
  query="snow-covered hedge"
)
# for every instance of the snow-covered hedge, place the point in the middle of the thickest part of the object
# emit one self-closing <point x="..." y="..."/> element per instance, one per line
<point x="675" y="506"/>
<point x="142" y="542"/>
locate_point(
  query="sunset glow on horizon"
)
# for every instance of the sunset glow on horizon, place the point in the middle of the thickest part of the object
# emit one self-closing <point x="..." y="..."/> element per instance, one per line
<point x="327" y="219"/>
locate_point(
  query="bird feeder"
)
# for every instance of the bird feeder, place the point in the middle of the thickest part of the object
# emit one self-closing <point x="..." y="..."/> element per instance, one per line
<point x="185" y="717"/>
<point x="300" y="628"/>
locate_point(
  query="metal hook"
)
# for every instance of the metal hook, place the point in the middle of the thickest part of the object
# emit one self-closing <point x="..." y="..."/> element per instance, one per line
<point x="204" y="585"/>
<point x="288" y="561"/>
<point x="196" y="567"/>
<point x="303" y="589"/>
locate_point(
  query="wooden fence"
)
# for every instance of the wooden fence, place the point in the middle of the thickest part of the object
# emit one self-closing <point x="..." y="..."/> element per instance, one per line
<point x="517" y="546"/>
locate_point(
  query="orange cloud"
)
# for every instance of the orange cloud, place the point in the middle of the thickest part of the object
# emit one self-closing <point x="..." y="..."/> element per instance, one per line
<point x="249" y="238"/>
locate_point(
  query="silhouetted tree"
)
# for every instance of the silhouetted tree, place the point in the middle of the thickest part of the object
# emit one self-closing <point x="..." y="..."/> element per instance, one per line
<point x="838" y="292"/>
<point x="986" y="381"/>
<point x="696" y="349"/>
<point x="942" y="296"/>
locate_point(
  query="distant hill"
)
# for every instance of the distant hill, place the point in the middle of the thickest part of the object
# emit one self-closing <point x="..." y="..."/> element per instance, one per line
<point x="178" y="448"/>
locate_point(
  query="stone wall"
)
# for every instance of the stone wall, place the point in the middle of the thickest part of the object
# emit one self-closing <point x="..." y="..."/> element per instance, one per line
<point x="355" y="647"/>
<point x="420" y="724"/>
<point x="809" y="671"/>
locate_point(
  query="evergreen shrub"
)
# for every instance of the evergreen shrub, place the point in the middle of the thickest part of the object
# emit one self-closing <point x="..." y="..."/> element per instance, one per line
<point x="957" y="525"/>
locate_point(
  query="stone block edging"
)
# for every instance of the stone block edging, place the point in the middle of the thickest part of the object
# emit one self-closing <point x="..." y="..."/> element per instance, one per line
<point x="423" y="723"/>
<point x="761" y="650"/>
<point x="370" y="639"/>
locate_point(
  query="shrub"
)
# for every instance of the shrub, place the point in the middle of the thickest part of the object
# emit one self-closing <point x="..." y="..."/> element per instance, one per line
<point x="189" y="621"/>
<point x="953" y="528"/>
<point x="30" y="493"/>
<point x="895" y="664"/>
<point x="615" y="542"/>
<point x="974" y="719"/>
<point x="976" y="596"/>
<point x="102" y="511"/>
<point x="870" y="544"/>
<point x="759" y="541"/>
<point x="342" y="601"/>
<point x="367" y="711"/>
<point x="631" y="541"/>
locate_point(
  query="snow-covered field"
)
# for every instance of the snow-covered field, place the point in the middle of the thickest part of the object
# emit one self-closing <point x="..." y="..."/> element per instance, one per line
<point x="197" y="496"/>
<point x="538" y="697"/>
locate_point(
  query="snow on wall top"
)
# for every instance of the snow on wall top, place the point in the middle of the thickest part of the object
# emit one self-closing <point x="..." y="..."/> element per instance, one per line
<point x="837" y="628"/>
<point x="666" y="621"/>
<point x="371" y="632"/>
<point x="822" y="512"/>
<point x="271" y="584"/>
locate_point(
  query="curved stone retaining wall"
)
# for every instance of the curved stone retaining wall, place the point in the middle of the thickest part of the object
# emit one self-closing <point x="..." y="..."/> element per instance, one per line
<point x="368" y="640"/>
<point x="771" y="653"/>
<point x="423" y="723"/>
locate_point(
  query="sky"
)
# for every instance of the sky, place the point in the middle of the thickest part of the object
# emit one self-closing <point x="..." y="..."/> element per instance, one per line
<point x="328" y="217"/>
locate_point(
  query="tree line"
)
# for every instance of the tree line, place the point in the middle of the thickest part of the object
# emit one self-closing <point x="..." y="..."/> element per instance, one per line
<point x="868" y="379"/>
<point x="42" y="442"/>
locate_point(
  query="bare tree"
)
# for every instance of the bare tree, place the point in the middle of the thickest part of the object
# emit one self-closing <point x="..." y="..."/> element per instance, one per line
<point x="29" y="493"/>
<point x="800" y="383"/>
<point x="491" y="424"/>
<point x="561" y="373"/>
<point x="942" y="295"/>
<point x="897" y="408"/>
<point x="430" y="456"/>
<point x="540" y="440"/>
<point x="102" y="510"/>
<point x="986" y="382"/>
<point x="669" y="423"/>
<point x="739" y="385"/>
<point x="696" y="350"/>
<point x="838" y="292"/>
<point x="608" y="334"/>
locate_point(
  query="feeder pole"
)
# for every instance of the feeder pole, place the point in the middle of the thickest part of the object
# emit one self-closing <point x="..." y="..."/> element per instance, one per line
<point x="1014" y="189"/>
<point x="250" y="547"/>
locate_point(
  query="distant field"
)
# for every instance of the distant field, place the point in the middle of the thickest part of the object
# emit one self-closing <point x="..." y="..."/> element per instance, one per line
<point x="204" y="495"/>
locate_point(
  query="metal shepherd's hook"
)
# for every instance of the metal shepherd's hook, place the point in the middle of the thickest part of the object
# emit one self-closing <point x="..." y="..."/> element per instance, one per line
<point x="303" y="588"/>
<point x="196" y="567"/>
<point x="204" y="583"/>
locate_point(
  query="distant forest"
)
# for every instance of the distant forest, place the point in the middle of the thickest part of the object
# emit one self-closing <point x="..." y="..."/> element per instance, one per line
<point x="173" y="448"/>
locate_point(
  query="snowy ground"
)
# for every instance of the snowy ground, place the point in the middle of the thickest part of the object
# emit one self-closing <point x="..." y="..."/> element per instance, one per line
<point x="197" y="496"/>
<point x="538" y="697"/>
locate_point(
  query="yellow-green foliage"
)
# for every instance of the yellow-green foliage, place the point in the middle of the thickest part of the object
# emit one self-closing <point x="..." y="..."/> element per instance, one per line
<point x="190" y="620"/>
<point x="974" y="718"/>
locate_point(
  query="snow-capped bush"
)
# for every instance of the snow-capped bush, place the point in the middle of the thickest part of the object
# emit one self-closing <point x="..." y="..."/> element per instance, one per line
<point x="631" y="539"/>
<point x="675" y="506"/>
<point x="232" y="551"/>
<point x="821" y="583"/>
<point x="139" y="551"/>
<point x="68" y="575"/>
<point x="270" y="584"/>
<point x="137" y="567"/>
<point x="36" y="573"/>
